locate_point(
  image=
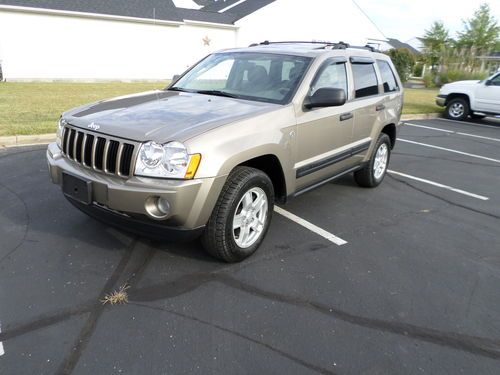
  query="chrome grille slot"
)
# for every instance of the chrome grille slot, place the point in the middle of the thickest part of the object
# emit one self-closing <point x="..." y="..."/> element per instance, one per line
<point x="101" y="153"/>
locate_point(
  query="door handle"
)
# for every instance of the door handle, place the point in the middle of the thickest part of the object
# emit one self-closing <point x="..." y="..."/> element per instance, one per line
<point x="380" y="107"/>
<point x="346" y="116"/>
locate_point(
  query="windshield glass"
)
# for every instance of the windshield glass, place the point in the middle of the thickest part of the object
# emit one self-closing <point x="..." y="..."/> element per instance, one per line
<point x="254" y="76"/>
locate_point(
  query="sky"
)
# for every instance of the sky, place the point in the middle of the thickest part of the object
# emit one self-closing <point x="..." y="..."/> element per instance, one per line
<point x="405" y="19"/>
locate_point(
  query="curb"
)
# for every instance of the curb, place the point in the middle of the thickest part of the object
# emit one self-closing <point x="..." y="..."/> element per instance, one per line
<point x="423" y="116"/>
<point x="42" y="139"/>
<point x="27" y="140"/>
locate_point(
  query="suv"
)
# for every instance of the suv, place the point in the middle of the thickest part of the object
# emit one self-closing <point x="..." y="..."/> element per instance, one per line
<point x="244" y="128"/>
<point x="475" y="98"/>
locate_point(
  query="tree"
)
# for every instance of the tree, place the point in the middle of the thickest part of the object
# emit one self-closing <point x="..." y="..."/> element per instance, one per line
<point x="404" y="61"/>
<point x="436" y="40"/>
<point x="481" y="32"/>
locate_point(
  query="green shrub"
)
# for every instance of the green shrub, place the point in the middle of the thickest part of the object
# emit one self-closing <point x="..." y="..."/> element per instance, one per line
<point x="429" y="80"/>
<point x="459" y="75"/>
<point x="403" y="60"/>
<point x="418" y="70"/>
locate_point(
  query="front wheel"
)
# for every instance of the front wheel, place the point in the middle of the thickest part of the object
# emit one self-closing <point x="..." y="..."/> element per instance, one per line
<point x="373" y="172"/>
<point x="241" y="217"/>
<point x="457" y="109"/>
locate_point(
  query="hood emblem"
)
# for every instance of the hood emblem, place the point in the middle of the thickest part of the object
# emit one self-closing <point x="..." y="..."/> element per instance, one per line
<point x="94" y="126"/>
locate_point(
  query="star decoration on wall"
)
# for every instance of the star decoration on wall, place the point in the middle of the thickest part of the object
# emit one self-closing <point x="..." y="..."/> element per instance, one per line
<point x="206" y="41"/>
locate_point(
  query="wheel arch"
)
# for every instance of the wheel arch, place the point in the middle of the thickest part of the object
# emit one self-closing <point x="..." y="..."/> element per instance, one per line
<point x="455" y="95"/>
<point x="270" y="165"/>
<point x="390" y="130"/>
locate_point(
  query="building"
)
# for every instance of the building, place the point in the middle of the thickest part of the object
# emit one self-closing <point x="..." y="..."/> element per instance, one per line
<point x="155" y="39"/>
<point x="391" y="43"/>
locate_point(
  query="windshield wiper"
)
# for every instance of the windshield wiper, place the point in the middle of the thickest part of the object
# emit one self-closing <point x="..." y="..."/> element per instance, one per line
<point x="216" y="93"/>
<point x="178" y="89"/>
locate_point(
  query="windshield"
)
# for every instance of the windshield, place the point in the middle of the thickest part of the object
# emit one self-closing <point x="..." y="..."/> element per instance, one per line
<point x="254" y="76"/>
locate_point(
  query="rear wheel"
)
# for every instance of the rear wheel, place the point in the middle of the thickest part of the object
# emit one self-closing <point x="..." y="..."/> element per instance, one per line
<point x="241" y="217"/>
<point x="457" y="109"/>
<point x="374" y="171"/>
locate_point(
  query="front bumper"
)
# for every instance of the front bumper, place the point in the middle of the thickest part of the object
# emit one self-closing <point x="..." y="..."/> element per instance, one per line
<point x="191" y="201"/>
<point x="441" y="100"/>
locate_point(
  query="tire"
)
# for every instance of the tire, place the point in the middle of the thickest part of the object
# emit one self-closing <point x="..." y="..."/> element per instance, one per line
<point x="220" y="239"/>
<point x="457" y="109"/>
<point x="372" y="175"/>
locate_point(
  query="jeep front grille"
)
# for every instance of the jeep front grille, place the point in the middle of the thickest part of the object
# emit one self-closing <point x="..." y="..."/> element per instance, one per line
<point x="98" y="152"/>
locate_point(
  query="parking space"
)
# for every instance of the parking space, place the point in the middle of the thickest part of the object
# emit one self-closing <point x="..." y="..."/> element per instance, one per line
<point x="413" y="290"/>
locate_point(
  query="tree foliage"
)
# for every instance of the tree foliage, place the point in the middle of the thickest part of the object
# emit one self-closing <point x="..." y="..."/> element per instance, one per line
<point x="403" y="60"/>
<point x="481" y="31"/>
<point x="436" y="40"/>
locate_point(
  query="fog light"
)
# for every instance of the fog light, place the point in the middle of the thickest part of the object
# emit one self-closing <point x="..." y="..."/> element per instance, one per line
<point x="157" y="207"/>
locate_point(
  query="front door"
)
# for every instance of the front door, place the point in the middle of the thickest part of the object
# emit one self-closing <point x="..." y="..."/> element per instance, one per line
<point x="488" y="96"/>
<point x="324" y="134"/>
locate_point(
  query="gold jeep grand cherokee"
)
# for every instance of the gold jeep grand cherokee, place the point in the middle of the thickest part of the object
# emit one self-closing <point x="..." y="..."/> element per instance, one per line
<point x="242" y="129"/>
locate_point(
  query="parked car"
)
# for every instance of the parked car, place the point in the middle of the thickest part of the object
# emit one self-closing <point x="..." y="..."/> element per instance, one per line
<point x="477" y="99"/>
<point x="244" y="128"/>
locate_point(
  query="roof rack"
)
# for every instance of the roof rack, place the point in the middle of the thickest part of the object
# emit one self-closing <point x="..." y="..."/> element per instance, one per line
<point x="324" y="45"/>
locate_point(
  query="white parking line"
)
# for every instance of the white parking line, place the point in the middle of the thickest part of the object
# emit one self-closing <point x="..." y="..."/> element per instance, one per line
<point x="449" y="150"/>
<point x="313" y="228"/>
<point x="477" y="196"/>
<point x="469" y="123"/>
<point x="2" y="351"/>
<point x="453" y="132"/>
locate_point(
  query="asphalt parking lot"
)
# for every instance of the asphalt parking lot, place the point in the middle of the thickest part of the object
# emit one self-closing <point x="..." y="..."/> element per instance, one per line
<point x="414" y="290"/>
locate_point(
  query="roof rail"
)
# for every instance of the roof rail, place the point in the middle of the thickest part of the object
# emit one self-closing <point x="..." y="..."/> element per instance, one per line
<point x="324" y="45"/>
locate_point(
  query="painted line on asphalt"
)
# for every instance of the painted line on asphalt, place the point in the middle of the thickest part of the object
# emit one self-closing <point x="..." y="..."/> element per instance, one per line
<point x="449" y="150"/>
<point x="437" y="184"/>
<point x="453" y="132"/>
<point x="2" y="351"/>
<point x="469" y="123"/>
<point x="313" y="228"/>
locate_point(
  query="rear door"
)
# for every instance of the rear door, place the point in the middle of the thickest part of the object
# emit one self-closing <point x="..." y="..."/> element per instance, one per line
<point x="488" y="96"/>
<point x="368" y="104"/>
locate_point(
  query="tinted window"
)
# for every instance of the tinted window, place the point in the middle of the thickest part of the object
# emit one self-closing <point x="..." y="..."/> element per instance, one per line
<point x="495" y="80"/>
<point x="332" y="76"/>
<point x="365" y="80"/>
<point x="388" y="78"/>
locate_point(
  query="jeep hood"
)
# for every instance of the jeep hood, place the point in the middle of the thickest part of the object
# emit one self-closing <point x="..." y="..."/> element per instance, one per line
<point x="462" y="83"/>
<point x="163" y="115"/>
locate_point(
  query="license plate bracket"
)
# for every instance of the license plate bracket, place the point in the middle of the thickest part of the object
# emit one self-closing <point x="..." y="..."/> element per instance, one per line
<point x="77" y="188"/>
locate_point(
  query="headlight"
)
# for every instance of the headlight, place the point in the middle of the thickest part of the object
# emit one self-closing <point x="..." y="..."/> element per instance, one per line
<point x="60" y="127"/>
<point x="170" y="160"/>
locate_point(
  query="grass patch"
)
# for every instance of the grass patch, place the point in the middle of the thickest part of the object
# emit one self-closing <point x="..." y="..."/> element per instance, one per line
<point x="33" y="108"/>
<point x="420" y="101"/>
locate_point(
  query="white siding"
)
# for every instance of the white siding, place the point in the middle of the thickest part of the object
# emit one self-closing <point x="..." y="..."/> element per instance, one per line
<point x="36" y="46"/>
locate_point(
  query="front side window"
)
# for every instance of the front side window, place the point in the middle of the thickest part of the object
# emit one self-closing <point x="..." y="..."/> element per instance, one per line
<point x="365" y="80"/>
<point x="253" y="76"/>
<point x="331" y="76"/>
<point x="388" y="79"/>
<point x="495" y="81"/>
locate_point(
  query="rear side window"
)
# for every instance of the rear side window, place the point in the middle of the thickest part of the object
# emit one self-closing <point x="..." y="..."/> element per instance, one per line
<point x="365" y="80"/>
<point x="388" y="77"/>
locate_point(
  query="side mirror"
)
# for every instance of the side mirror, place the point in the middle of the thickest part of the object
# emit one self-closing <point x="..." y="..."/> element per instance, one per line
<point x="326" y="97"/>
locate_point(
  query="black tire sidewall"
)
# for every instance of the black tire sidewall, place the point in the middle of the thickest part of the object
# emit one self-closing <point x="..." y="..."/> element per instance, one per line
<point x="466" y="109"/>
<point x="257" y="180"/>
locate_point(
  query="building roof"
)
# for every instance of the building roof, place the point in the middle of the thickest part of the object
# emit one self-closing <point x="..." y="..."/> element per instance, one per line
<point x="223" y="12"/>
<point x="396" y="43"/>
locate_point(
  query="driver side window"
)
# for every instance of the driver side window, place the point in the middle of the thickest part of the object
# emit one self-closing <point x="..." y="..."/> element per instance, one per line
<point x="331" y="76"/>
<point x="496" y="80"/>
